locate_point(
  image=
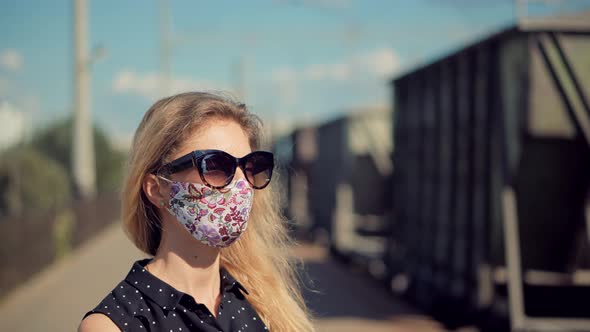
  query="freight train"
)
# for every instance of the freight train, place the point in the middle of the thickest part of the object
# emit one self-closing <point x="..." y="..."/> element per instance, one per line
<point x="470" y="197"/>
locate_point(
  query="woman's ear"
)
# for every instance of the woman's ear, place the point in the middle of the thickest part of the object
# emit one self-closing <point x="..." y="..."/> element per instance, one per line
<point x="154" y="191"/>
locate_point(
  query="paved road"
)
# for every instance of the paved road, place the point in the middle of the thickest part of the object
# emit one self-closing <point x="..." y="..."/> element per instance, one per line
<point x="346" y="300"/>
<point x="56" y="299"/>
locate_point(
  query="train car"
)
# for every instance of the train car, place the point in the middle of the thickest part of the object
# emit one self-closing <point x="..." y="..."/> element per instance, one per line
<point x="349" y="192"/>
<point x="295" y="154"/>
<point x="336" y="180"/>
<point x="492" y="178"/>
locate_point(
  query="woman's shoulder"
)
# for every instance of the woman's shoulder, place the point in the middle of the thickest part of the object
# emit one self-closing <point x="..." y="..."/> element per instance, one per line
<point x="118" y="307"/>
<point x="97" y="322"/>
<point x="117" y="311"/>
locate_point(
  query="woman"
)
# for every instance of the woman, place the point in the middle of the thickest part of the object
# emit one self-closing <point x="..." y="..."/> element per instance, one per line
<point x="195" y="184"/>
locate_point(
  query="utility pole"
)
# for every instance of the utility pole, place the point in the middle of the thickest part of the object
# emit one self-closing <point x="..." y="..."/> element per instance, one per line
<point x="83" y="164"/>
<point x="165" y="47"/>
<point x="520" y="8"/>
<point x="239" y="73"/>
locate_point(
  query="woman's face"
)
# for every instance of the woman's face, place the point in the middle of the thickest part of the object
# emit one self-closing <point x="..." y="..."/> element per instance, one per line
<point x="218" y="134"/>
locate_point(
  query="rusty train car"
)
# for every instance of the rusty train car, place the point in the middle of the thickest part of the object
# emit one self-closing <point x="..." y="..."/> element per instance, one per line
<point x="492" y="178"/>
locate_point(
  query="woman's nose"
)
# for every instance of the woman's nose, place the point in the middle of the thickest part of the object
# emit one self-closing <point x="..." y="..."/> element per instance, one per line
<point x="239" y="174"/>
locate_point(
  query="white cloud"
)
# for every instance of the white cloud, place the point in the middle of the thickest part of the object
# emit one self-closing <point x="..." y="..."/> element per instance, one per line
<point x="381" y="63"/>
<point x="340" y="71"/>
<point x="284" y="74"/>
<point x="11" y="59"/>
<point x="148" y="84"/>
<point x="315" y="72"/>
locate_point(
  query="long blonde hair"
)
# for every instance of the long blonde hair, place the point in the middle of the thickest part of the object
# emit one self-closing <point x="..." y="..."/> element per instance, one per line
<point x="260" y="259"/>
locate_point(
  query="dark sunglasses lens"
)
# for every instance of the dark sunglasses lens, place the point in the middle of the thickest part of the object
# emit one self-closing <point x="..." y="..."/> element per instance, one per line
<point x="258" y="169"/>
<point x="218" y="169"/>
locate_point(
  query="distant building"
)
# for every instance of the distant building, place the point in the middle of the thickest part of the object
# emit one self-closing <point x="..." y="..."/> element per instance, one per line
<point x="13" y="125"/>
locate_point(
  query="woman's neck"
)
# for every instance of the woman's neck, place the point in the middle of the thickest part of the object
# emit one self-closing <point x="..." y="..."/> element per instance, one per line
<point x="188" y="265"/>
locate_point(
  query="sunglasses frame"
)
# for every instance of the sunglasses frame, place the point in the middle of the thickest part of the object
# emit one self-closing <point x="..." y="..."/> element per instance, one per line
<point x="195" y="158"/>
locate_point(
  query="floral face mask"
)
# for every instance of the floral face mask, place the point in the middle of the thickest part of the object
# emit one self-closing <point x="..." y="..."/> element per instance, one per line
<point x="215" y="217"/>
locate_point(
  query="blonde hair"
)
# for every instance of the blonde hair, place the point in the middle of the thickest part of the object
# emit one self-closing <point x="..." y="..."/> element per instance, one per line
<point x="260" y="259"/>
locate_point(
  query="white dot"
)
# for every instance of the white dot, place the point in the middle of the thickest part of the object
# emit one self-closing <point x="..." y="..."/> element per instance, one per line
<point x="232" y="317"/>
<point x="160" y="289"/>
<point x="154" y="322"/>
<point x="133" y="270"/>
<point x="184" y="310"/>
<point x="123" y="295"/>
<point x="125" y="324"/>
<point x="171" y="295"/>
<point x="121" y="286"/>
<point x="108" y="313"/>
<point x="164" y="307"/>
<point x="148" y="286"/>
<point x="136" y="282"/>
<point x="254" y="318"/>
<point x="106" y="306"/>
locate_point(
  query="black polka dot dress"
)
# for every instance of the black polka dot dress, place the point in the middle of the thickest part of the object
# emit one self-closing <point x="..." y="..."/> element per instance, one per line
<point x="142" y="302"/>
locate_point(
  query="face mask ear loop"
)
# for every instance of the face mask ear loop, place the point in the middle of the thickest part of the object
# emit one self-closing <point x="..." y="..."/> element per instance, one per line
<point x="163" y="178"/>
<point x="159" y="177"/>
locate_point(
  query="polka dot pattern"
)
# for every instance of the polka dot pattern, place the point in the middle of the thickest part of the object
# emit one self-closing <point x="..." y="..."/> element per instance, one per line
<point x="142" y="302"/>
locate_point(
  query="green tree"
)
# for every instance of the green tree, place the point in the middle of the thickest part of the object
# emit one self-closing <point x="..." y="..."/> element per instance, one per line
<point x="55" y="141"/>
<point x="31" y="183"/>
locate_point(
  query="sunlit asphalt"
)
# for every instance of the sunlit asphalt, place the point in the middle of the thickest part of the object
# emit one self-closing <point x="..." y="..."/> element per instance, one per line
<point x="56" y="299"/>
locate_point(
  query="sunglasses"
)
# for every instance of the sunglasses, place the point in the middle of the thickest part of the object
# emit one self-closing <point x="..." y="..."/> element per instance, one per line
<point x="217" y="168"/>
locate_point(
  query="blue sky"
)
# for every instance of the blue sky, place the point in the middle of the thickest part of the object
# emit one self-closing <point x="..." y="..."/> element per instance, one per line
<point x="301" y="60"/>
